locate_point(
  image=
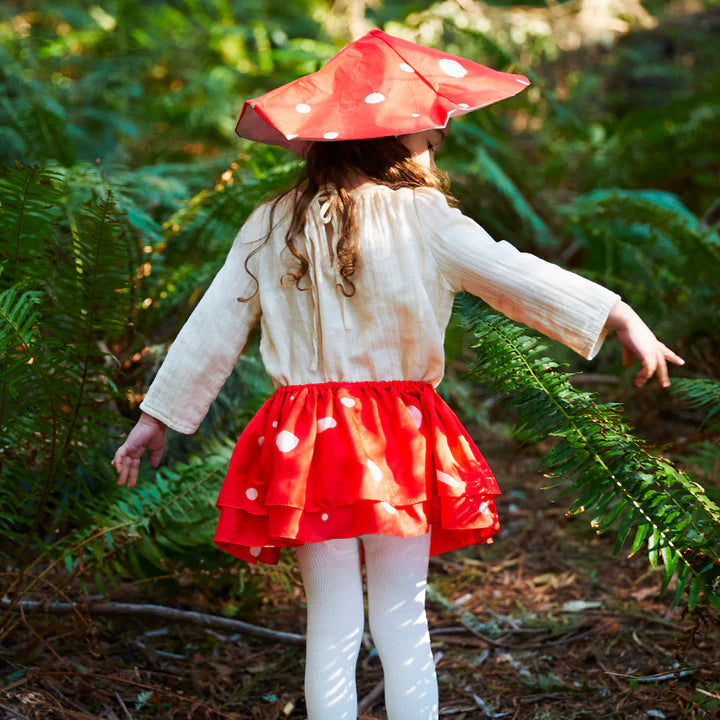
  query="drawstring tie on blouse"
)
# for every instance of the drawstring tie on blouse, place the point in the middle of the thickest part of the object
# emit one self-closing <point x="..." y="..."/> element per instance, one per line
<point x="315" y="241"/>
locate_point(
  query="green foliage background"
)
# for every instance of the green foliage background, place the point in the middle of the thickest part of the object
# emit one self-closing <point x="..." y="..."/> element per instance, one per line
<point x="123" y="184"/>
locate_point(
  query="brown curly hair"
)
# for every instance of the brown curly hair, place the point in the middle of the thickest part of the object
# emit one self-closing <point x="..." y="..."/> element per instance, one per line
<point x="384" y="161"/>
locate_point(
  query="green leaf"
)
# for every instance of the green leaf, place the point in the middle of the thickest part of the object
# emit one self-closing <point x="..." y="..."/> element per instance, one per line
<point x="694" y="592"/>
<point x="640" y="536"/>
<point x="623" y="531"/>
<point x="614" y="513"/>
<point x="670" y="561"/>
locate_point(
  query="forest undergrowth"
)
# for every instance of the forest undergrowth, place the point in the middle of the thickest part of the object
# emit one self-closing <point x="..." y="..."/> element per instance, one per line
<point x="544" y="624"/>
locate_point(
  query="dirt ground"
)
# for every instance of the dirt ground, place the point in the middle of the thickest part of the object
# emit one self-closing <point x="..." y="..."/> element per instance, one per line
<point x="543" y="624"/>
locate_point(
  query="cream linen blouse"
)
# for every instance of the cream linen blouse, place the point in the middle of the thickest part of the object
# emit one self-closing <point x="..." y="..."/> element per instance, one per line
<point x="416" y="253"/>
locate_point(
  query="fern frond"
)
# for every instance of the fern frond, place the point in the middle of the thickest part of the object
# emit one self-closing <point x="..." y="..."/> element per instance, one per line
<point x="599" y="459"/>
<point x="198" y="235"/>
<point x="700" y="393"/>
<point x="55" y="380"/>
<point x="168" y="519"/>
<point x="18" y="330"/>
<point x="672" y="226"/>
<point x="29" y="209"/>
<point x="32" y="117"/>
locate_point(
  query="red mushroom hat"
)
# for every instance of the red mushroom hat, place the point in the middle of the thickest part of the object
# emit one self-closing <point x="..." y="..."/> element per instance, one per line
<point x="376" y="86"/>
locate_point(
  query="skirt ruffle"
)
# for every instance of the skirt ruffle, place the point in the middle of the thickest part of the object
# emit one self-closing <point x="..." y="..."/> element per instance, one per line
<point x="340" y="460"/>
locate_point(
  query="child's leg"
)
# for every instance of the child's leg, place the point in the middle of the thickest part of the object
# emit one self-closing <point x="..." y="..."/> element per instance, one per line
<point x="335" y="620"/>
<point x="396" y="579"/>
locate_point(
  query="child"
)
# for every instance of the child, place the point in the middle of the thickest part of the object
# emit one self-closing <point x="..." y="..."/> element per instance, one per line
<point x="353" y="273"/>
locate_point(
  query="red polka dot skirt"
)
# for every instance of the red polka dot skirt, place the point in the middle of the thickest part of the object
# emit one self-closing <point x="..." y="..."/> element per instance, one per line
<point x="339" y="460"/>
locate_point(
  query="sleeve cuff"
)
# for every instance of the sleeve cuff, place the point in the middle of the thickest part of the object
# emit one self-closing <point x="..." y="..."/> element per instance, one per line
<point x="181" y="427"/>
<point x="598" y="331"/>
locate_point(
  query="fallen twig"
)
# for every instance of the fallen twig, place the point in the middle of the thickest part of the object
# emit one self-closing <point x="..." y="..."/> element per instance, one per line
<point x="483" y="705"/>
<point x="126" y="712"/>
<point x="686" y="670"/>
<point x="654" y="678"/>
<point x="187" y="616"/>
<point x="371" y="697"/>
<point x="159" y="653"/>
<point x="709" y="694"/>
<point x="635" y="614"/>
<point x="457" y="710"/>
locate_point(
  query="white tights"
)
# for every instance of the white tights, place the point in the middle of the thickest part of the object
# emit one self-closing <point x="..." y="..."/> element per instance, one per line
<point x="396" y="579"/>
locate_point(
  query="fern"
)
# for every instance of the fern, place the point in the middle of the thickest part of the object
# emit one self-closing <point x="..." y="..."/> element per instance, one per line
<point x="703" y="456"/>
<point x="78" y="268"/>
<point x="197" y="236"/>
<point x="30" y="208"/>
<point x="18" y="334"/>
<point x="672" y="240"/>
<point x="55" y="378"/>
<point x="612" y="471"/>
<point x="165" y="525"/>
<point x="34" y="123"/>
<point x="700" y="393"/>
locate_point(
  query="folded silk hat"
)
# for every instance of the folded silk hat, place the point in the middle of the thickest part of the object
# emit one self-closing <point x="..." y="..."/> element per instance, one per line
<point x="376" y="86"/>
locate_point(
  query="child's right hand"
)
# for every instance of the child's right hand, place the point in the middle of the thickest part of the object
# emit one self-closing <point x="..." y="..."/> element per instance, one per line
<point x="148" y="433"/>
<point x="638" y="341"/>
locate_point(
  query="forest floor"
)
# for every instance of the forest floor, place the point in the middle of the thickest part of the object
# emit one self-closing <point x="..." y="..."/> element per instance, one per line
<point x="544" y="624"/>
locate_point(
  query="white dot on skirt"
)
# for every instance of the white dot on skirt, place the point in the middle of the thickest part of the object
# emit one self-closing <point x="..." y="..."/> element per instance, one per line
<point x="326" y="423"/>
<point x="286" y="441"/>
<point x="443" y="477"/>
<point x="416" y="114"/>
<point x="292" y="397"/>
<point x="255" y="551"/>
<point x="274" y="424"/>
<point x="415" y="414"/>
<point x="406" y="68"/>
<point x="324" y="516"/>
<point x="302" y="108"/>
<point x="251" y="494"/>
<point x="388" y="507"/>
<point x="374" y="470"/>
<point x="452" y="68"/>
<point x="374" y="98"/>
<point x="330" y="135"/>
<point x="261" y="439"/>
<point x="484" y="508"/>
<point x="347" y="402"/>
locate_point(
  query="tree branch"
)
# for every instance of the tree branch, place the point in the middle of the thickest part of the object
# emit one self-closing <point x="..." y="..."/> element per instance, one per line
<point x="186" y="616"/>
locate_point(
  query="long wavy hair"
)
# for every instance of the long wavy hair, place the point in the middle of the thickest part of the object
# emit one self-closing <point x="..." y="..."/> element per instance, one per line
<point x="331" y="165"/>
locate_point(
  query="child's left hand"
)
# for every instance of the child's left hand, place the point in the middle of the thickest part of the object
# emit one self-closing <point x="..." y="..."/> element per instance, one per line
<point x="638" y="341"/>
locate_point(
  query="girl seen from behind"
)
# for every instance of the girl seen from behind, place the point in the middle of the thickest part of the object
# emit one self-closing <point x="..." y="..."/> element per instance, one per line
<point x="355" y="458"/>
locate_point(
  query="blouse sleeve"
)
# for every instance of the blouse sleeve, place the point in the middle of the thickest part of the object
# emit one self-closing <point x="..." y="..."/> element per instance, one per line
<point x="209" y="343"/>
<point x="560" y="304"/>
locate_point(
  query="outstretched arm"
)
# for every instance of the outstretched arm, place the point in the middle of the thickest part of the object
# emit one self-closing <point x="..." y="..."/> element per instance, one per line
<point x="638" y="341"/>
<point x="560" y="304"/>
<point x="563" y="305"/>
